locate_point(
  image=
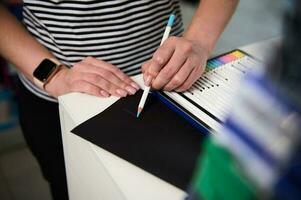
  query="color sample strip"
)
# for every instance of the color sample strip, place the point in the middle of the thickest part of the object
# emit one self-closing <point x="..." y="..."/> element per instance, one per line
<point x="228" y="58"/>
<point x="216" y="62"/>
<point x="238" y="54"/>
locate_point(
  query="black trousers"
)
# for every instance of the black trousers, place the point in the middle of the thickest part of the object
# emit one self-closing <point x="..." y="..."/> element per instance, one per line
<point x="39" y="120"/>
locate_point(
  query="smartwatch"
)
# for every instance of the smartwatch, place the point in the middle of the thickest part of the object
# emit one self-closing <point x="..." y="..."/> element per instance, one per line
<point x="44" y="72"/>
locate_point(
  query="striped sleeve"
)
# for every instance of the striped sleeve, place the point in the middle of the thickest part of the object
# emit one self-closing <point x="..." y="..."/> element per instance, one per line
<point x="124" y="33"/>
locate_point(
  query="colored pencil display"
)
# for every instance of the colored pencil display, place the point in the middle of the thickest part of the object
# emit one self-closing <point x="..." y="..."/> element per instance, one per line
<point x="211" y="96"/>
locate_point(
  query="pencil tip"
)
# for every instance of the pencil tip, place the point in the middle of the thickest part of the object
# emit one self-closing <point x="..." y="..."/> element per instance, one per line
<point x="139" y="111"/>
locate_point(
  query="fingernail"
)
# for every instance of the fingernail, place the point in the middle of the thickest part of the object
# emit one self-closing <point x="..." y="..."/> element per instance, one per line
<point x="131" y="90"/>
<point x="104" y="93"/>
<point x="135" y="85"/>
<point x="121" y="92"/>
<point x="148" y="80"/>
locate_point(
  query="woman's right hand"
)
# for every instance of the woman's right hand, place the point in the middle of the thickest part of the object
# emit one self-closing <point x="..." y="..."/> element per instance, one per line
<point x="94" y="77"/>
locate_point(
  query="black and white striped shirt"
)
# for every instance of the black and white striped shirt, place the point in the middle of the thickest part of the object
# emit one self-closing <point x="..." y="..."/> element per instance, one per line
<point x="122" y="32"/>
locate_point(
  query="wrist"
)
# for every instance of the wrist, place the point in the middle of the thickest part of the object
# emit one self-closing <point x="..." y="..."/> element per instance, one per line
<point x="54" y="86"/>
<point x="202" y="37"/>
<point x="206" y="47"/>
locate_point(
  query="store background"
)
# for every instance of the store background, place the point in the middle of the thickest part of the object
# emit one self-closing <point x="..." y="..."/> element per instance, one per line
<point x="20" y="176"/>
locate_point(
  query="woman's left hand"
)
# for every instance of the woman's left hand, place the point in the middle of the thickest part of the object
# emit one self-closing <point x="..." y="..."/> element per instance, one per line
<point x="176" y="65"/>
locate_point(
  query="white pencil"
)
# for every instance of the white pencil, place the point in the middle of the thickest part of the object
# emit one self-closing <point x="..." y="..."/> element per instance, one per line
<point x="147" y="88"/>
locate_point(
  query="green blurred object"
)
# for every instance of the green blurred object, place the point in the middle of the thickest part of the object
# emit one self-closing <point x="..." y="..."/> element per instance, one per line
<point x="218" y="176"/>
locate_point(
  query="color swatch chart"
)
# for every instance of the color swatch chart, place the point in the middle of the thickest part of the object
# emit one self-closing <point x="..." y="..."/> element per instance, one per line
<point x="211" y="95"/>
<point x="227" y="58"/>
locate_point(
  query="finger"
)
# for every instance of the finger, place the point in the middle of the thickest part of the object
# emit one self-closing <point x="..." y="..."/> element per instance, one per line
<point x="181" y="76"/>
<point x="115" y="80"/>
<point x="161" y="57"/>
<point x="110" y="77"/>
<point x="86" y="87"/>
<point x="170" y="69"/>
<point x="113" y="69"/>
<point x="104" y="84"/>
<point x="144" y="69"/>
<point x="104" y="93"/>
<point x="145" y="66"/>
<point x="194" y="75"/>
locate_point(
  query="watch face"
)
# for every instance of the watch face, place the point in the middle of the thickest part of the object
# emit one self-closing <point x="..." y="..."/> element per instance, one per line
<point x="44" y="70"/>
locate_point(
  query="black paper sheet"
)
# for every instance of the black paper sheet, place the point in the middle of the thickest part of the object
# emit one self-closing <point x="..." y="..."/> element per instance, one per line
<point x="159" y="141"/>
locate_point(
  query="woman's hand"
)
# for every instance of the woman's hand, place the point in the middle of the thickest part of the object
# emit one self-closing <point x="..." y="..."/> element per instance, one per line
<point x="94" y="77"/>
<point x="176" y="64"/>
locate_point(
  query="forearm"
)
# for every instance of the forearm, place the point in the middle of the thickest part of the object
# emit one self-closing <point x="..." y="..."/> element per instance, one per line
<point x="18" y="46"/>
<point x="209" y="21"/>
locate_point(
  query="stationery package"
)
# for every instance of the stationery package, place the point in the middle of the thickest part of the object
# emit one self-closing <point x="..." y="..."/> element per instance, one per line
<point x="256" y="154"/>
